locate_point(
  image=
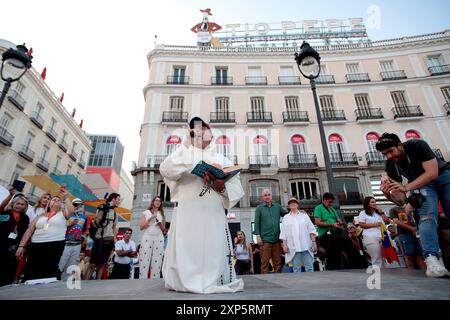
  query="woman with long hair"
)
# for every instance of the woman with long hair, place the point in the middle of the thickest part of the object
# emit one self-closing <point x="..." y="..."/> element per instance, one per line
<point x="243" y="253"/>
<point x="44" y="240"/>
<point x="39" y="208"/>
<point x="13" y="225"/>
<point x="370" y="220"/>
<point x="152" y="243"/>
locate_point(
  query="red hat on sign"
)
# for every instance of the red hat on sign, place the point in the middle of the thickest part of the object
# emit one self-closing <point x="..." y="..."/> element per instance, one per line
<point x="207" y="10"/>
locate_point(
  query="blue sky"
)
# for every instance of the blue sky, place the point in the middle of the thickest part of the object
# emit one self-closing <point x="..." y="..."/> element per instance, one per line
<point x="95" y="50"/>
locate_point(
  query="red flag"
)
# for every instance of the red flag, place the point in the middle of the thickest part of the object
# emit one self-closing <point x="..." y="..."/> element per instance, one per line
<point x="44" y="73"/>
<point x="81" y="123"/>
<point x="62" y="97"/>
<point x="73" y="112"/>
<point x="30" y="52"/>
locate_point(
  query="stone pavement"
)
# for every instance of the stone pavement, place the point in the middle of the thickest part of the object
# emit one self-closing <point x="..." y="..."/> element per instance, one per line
<point x="395" y="284"/>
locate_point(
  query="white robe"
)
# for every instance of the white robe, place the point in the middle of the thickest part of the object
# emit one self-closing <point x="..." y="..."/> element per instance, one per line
<point x="198" y="257"/>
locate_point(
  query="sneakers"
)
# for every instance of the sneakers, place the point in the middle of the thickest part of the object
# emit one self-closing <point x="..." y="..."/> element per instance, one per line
<point x="435" y="267"/>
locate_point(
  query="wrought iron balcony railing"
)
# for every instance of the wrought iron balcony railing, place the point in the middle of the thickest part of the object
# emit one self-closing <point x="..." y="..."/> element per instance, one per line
<point x="375" y="158"/>
<point x="438" y="70"/>
<point x="407" y="112"/>
<point x="295" y="116"/>
<point x="6" y="138"/>
<point x="17" y="99"/>
<point x="325" y="79"/>
<point x="343" y="159"/>
<point x="291" y="80"/>
<point x="258" y="162"/>
<point x="177" y="80"/>
<point x="63" y="145"/>
<point x="37" y="119"/>
<point x="51" y="133"/>
<point x="43" y="164"/>
<point x="174" y="116"/>
<point x="302" y="161"/>
<point x="357" y="77"/>
<point x="447" y="108"/>
<point x="332" y="115"/>
<point x="222" y="81"/>
<point x="393" y="75"/>
<point x="222" y="117"/>
<point x="26" y="153"/>
<point x="261" y="80"/>
<point x="259" y="116"/>
<point x="154" y="161"/>
<point x="368" y="113"/>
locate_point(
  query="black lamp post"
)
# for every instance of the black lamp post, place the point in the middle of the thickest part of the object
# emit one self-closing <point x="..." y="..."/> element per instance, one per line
<point x="15" y="62"/>
<point x="308" y="62"/>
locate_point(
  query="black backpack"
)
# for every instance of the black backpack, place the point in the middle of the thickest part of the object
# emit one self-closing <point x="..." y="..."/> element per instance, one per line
<point x="92" y="228"/>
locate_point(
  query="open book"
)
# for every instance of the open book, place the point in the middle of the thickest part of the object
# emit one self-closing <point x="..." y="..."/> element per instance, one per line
<point x="225" y="173"/>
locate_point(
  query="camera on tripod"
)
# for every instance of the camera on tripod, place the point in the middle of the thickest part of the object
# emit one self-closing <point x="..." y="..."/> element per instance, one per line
<point x="416" y="200"/>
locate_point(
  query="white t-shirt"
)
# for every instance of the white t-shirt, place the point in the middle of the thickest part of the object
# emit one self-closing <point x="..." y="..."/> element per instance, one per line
<point x="153" y="230"/>
<point x="32" y="212"/>
<point x="122" y="245"/>
<point x="375" y="218"/>
<point x="55" y="231"/>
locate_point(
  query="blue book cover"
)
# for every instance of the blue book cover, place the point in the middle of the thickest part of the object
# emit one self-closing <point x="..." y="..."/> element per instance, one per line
<point x="225" y="173"/>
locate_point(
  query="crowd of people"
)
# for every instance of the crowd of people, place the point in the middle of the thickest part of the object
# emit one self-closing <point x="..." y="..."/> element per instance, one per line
<point x="54" y="236"/>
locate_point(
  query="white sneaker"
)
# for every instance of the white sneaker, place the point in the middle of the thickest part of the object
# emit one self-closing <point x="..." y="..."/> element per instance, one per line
<point x="435" y="267"/>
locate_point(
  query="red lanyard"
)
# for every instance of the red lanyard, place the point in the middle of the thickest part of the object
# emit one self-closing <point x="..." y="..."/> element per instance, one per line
<point x="356" y="243"/>
<point x="16" y="216"/>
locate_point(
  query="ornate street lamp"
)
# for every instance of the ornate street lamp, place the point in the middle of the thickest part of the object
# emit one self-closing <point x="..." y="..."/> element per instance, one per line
<point x="15" y="62"/>
<point x="308" y="63"/>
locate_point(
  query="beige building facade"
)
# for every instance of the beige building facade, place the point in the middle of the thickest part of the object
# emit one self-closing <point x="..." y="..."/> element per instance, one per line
<point x="263" y="115"/>
<point x="37" y="134"/>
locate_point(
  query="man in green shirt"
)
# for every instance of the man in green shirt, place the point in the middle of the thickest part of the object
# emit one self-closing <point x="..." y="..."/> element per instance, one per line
<point x="267" y="231"/>
<point x="328" y="227"/>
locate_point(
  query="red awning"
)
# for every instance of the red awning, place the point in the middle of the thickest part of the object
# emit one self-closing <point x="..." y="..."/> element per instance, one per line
<point x="297" y="139"/>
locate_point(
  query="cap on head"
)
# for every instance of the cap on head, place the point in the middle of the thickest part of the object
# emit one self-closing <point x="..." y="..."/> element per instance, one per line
<point x="196" y="120"/>
<point x="77" y="201"/>
<point x="293" y="199"/>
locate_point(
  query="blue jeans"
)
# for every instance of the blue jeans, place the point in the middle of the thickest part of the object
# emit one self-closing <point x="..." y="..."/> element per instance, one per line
<point x="439" y="189"/>
<point x="303" y="257"/>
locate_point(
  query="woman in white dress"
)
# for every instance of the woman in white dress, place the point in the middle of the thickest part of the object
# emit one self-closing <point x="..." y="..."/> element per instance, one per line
<point x="152" y="243"/>
<point x="40" y="206"/>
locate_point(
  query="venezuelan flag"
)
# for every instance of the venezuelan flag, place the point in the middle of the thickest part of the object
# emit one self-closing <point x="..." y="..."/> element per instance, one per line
<point x="388" y="250"/>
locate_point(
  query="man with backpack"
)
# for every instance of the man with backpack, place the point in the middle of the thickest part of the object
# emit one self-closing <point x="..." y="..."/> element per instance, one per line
<point x="103" y="230"/>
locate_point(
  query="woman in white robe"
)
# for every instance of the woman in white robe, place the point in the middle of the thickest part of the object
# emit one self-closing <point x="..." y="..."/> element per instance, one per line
<point x="198" y="257"/>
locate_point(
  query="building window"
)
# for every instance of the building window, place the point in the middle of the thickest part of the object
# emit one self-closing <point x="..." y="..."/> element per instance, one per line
<point x="179" y="73"/>
<point x="15" y="176"/>
<point x="257" y="108"/>
<point x="372" y="139"/>
<point x="74" y="146"/>
<point x="387" y="66"/>
<point x="221" y="75"/>
<point x="412" y="134"/>
<point x="176" y="104"/>
<point x="52" y="124"/>
<point x="292" y="105"/>
<point x="261" y="146"/>
<point x="327" y="105"/>
<point x="305" y="189"/>
<point x="57" y="163"/>
<point x="69" y="169"/>
<point x="337" y="149"/>
<point x="257" y="187"/>
<point x="298" y="145"/>
<point x="20" y="88"/>
<point x="163" y="192"/>
<point x="223" y="146"/>
<point x="254" y="75"/>
<point x="6" y="121"/>
<point x="400" y="104"/>
<point x="352" y="68"/>
<point x="39" y="109"/>
<point x="64" y="135"/>
<point x="446" y="93"/>
<point x="172" y="143"/>
<point x="348" y="191"/>
<point x="362" y="101"/>
<point x="222" y="107"/>
<point x="435" y="60"/>
<point x="29" y="140"/>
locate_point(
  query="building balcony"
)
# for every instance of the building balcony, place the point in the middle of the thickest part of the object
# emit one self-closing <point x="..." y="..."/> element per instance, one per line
<point x="375" y="159"/>
<point x="258" y="162"/>
<point x="407" y="112"/>
<point x="17" y="100"/>
<point x="259" y="117"/>
<point x="302" y="161"/>
<point x="222" y="117"/>
<point x="154" y="161"/>
<point x="55" y="170"/>
<point x="222" y="81"/>
<point x="393" y="75"/>
<point x="257" y="200"/>
<point x="256" y="81"/>
<point x="177" y="80"/>
<point x="439" y="70"/>
<point x="369" y="114"/>
<point x="62" y="145"/>
<point x="295" y="117"/>
<point x="82" y="164"/>
<point x="348" y="159"/>
<point x="26" y="153"/>
<point x="73" y="155"/>
<point x="6" y="138"/>
<point x="43" y="164"/>
<point x="333" y="115"/>
<point x="51" y="133"/>
<point x="447" y="108"/>
<point x="292" y="80"/>
<point x="357" y="77"/>
<point x="439" y="154"/>
<point x="32" y="199"/>
<point x="37" y="119"/>
<point x="325" y="79"/>
<point x="174" y="116"/>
